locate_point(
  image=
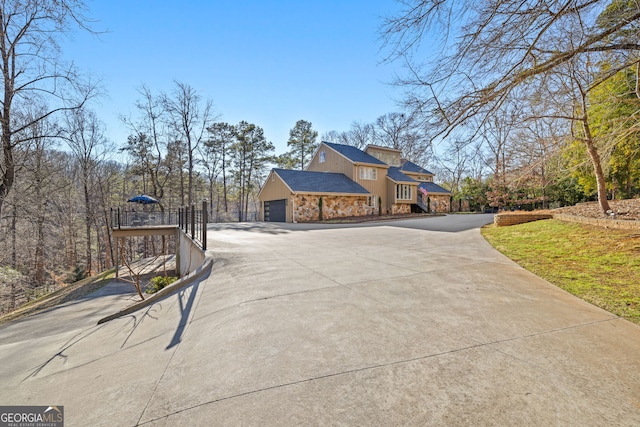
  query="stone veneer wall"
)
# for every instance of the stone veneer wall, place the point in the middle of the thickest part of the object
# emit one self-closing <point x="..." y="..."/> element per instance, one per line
<point x="440" y="204"/>
<point x="400" y="208"/>
<point x="306" y="207"/>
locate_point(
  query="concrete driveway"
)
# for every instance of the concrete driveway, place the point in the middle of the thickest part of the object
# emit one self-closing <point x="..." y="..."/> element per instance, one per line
<point x="375" y="324"/>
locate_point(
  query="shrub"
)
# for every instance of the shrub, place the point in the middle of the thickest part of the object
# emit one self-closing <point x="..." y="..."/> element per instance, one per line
<point x="160" y="282"/>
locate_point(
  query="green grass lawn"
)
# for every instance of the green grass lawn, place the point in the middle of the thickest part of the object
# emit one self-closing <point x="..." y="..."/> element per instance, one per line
<point x="599" y="265"/>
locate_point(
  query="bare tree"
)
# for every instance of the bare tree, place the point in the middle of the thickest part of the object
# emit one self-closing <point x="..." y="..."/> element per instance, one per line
<point x="458" y="161"/>
<point x="32" y="73"/>
<point x="149" y="142"/>
<point x="496" y="136"/>
<point x="85" y="137"/>
<point x="404" y="132"/>
<point x="504" y="47"/>
<point x="361" y="134"/>
<point x="41" y="173"/>
<point x="336" y="137"/>
<point x="190" y="118"/>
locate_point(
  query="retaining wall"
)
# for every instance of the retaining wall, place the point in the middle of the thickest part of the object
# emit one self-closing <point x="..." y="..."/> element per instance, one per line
<point x="506" y="219"/>
<point x="189" y="255"/>
<point x="194" y="264"/>
<point x="600" y="222"/>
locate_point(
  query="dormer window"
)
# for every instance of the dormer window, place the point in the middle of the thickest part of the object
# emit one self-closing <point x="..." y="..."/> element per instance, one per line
<point x="370" y="174"/>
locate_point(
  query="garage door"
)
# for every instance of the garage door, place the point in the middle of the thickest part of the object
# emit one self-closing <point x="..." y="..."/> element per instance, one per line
<point x="275" y="211"/>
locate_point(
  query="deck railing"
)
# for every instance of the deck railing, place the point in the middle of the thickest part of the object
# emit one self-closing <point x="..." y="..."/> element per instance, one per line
<point x="128" y="217"/>
<point x="194" y="223"/>
<point x="190" y="220"/>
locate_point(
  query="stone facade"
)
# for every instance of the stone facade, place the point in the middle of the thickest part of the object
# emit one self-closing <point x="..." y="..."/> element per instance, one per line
<point x="440" y="204"/>
<point x="306" y="207"/>
<point x="400" y="208"/>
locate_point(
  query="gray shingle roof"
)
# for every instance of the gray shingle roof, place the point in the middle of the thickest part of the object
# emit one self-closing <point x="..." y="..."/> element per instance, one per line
<point x="395" y="174"/>
<point x="433" y="188"/>
<point x="319" y="182"/>
<point x="354" y="154"/>
<point x="408" y="166"/>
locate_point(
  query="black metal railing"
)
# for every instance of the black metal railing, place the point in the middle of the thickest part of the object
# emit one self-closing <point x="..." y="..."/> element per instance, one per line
<point x="126" y="217"/>
<point x="190" y="220"/>
<point x="194" y="223"/>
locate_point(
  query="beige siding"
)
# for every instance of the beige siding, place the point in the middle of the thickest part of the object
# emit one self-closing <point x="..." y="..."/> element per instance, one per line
<point x="391" y="195"/>
<point x="377" y="187"/>
<point x="274" y="189"/>
<point x="391" y="191"/>
<point x="334" y="162"/>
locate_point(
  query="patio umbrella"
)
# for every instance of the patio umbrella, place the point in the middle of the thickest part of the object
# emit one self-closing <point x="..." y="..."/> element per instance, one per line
<point x="143" y="199"/>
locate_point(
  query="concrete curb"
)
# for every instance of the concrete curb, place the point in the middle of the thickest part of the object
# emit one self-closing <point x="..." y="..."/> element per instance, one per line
<point x="200" y="272"/>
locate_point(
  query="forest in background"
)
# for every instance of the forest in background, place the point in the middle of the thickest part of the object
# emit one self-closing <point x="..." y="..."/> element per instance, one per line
<point x="529" y="144"/>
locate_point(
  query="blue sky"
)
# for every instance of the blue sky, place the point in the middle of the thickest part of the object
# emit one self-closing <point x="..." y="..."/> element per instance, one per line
<point x="267" y="62"/>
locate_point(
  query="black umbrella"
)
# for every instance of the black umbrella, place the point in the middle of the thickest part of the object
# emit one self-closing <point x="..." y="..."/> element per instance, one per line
<point x="143" y="199"/>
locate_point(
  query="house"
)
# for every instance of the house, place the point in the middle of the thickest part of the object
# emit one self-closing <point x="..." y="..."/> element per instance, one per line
<point x="344" y="181"/>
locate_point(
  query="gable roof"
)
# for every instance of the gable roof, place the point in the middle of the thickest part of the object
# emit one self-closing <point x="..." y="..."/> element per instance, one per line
<point x="354" y="154"/>
<point x="431" y="187"/>
<point x="396" y="175"/>
<point x="319" y="182"/>
<point x="408" y="166"/>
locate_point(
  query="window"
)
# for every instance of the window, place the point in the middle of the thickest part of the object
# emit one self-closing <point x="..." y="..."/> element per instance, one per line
<point x="403" y="192"/>
<point x="322" y="157"/>
<point x="370" y="174"/>
<point x="372" y="201"/>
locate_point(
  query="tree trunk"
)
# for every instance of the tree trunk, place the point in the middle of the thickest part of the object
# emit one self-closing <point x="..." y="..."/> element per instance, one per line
<point x="182" y="185"/>
<point x="9" y="168"/>
<point x="14" y="240"/>
<point x="109" y="243"/>
<point x="39" y="252"/>
<point x="224" y="181"/>
<point x="597" y="167"/>
<point x="190" y="175"/>
<point x="87" y="219"/>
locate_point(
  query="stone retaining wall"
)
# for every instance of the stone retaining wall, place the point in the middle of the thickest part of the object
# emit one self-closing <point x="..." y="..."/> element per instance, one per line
<point x="600" y="222"/>
<point x="505" y="219"/>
